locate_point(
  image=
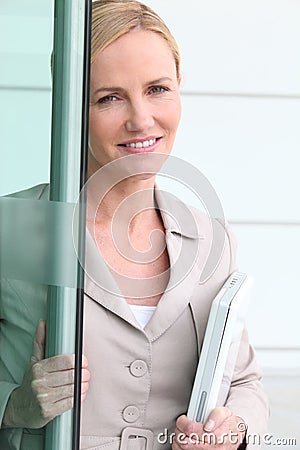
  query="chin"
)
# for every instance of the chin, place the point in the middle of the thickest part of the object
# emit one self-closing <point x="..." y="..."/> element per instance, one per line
<point x="144" y="176"/>
<point x="143" y="166"/>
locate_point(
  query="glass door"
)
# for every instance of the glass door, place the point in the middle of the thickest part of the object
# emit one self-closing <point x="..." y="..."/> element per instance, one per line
<point x="43" y="151"/>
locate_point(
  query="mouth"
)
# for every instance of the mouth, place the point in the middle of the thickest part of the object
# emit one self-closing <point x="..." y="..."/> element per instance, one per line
<point x="141" y="145"/>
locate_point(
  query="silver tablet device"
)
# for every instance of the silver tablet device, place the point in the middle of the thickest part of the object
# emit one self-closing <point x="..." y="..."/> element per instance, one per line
<point x="220" y="346"/>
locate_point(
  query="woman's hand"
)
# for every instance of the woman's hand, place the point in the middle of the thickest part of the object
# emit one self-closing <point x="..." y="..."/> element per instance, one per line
<point x="47" y="389"/>
<point x="222" y="430"/>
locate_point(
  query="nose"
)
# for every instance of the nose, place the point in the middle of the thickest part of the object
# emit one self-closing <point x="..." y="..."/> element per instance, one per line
<point x="140" y="116"/>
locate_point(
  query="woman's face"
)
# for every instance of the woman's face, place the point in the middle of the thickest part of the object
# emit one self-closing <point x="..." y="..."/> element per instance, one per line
<point x="135" y="104"/>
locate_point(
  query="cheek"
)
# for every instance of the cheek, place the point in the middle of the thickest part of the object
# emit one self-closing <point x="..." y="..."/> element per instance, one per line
<point x="96" y="122"/>
<point x="172" y="115"/>
<point x="99" y="128"/>
<point x="177" y="114"/>
<point x="92" y="125"/>
<point x="178" y="110"/>
<point x="102" y="124"/>
<point x="174" y="119"/>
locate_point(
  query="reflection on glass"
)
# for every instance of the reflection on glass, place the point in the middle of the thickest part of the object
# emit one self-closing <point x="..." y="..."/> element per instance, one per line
<point x="25" y="110"/>
<point x="39" y="268"/>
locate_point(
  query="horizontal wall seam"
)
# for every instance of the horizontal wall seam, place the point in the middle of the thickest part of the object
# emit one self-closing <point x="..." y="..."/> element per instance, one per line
<point x="276" y="349"/>
<point x="241" y="95"/>
<point x="183" y="93"/>
<point x="26" y="88"/>
<point x="264" y="223"/>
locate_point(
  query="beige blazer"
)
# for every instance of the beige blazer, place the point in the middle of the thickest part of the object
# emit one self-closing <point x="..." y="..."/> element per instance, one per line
<point x="141" y="379"/>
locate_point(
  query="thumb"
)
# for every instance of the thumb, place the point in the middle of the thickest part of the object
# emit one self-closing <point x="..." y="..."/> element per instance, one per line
<point x="216" y="418"/>
<point x="38" y="352"/>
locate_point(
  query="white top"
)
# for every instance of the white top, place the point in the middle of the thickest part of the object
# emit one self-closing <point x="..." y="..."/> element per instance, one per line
<point x="142" y="313"/>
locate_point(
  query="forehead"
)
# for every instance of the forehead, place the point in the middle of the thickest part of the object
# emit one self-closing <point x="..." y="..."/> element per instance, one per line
<point x="134" y="53"/>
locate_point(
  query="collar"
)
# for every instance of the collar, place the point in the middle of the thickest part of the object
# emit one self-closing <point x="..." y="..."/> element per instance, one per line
<point x="177" y="216"/>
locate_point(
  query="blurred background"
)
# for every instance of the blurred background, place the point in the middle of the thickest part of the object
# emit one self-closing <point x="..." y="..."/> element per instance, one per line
<point x="240" y="127"/>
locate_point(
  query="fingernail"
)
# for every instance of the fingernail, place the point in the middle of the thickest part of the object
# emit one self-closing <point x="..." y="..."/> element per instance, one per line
<point x="209" y="425"/>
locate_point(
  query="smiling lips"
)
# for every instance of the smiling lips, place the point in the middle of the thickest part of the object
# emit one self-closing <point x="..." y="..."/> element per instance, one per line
<point x="146" y="145"/>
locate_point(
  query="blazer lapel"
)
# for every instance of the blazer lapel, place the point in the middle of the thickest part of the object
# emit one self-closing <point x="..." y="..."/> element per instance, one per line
<point x="184" y="243"/>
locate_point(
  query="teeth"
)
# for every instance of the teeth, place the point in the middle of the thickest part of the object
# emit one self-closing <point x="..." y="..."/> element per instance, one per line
<point x="141" y="144"/>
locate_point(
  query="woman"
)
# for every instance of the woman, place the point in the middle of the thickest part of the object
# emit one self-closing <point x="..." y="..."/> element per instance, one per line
<point x="144" y="317"/>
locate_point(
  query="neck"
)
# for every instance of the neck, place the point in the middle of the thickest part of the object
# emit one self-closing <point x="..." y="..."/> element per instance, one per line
<point x="130" y="204"/>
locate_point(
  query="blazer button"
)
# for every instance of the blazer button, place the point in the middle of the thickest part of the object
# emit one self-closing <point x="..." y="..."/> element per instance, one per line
<point x="131" y="413"/>
<point x="138" y="368"/>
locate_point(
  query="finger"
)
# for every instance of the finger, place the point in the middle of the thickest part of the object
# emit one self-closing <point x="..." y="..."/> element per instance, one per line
<point x="58" y="408"/>
<point x="85" y="375"/>
<point x="62" y="362"/>
<point x="84" y="388"/>
<point x="63" y="377"/>
<point x="42" y="370"/>
<point x="179" y="435"/>
<point x="85" y="362"/>
<point x="49" y="381"/>
<point x="188" y="427"/>
<point x="39" y="342"/>
<point x="184" y="442"/>
<point x="58" y="363"/>
<point x="54" y="395"/>
<point x="216" y="418"/>
<point x="176" y="431"/>
<point x="46" y="395"/>
<point x="175" y="445"/>
<point x="182" y="423"/>
<point x="180" y="438"/>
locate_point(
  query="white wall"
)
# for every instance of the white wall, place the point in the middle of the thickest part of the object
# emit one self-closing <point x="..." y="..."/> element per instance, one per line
<point x="240" y="127"/>
<point x="241" y="107"/>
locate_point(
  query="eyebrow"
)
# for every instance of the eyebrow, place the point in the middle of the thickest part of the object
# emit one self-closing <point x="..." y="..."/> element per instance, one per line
<point x="120" y="89"/>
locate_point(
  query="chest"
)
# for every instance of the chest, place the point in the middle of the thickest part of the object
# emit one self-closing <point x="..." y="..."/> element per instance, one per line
<point x="139" y="266"/>
<point x="155" y="375"/>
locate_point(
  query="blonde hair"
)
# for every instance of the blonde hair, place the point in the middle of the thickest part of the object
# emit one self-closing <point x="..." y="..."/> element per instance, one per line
<point x="112" y="19"/>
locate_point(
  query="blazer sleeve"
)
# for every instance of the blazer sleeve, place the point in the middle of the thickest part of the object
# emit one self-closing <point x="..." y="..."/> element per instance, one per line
<point x="247" y="398"/>
<point x="13" y="309"/>
<point x="21" y="306"/>
<point x="8" y="437"/>
<point x="6" y="388"/>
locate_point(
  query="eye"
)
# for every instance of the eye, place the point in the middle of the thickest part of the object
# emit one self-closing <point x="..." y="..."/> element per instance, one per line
<point x="158" y="89"/>
<point x="107" y="99"/>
